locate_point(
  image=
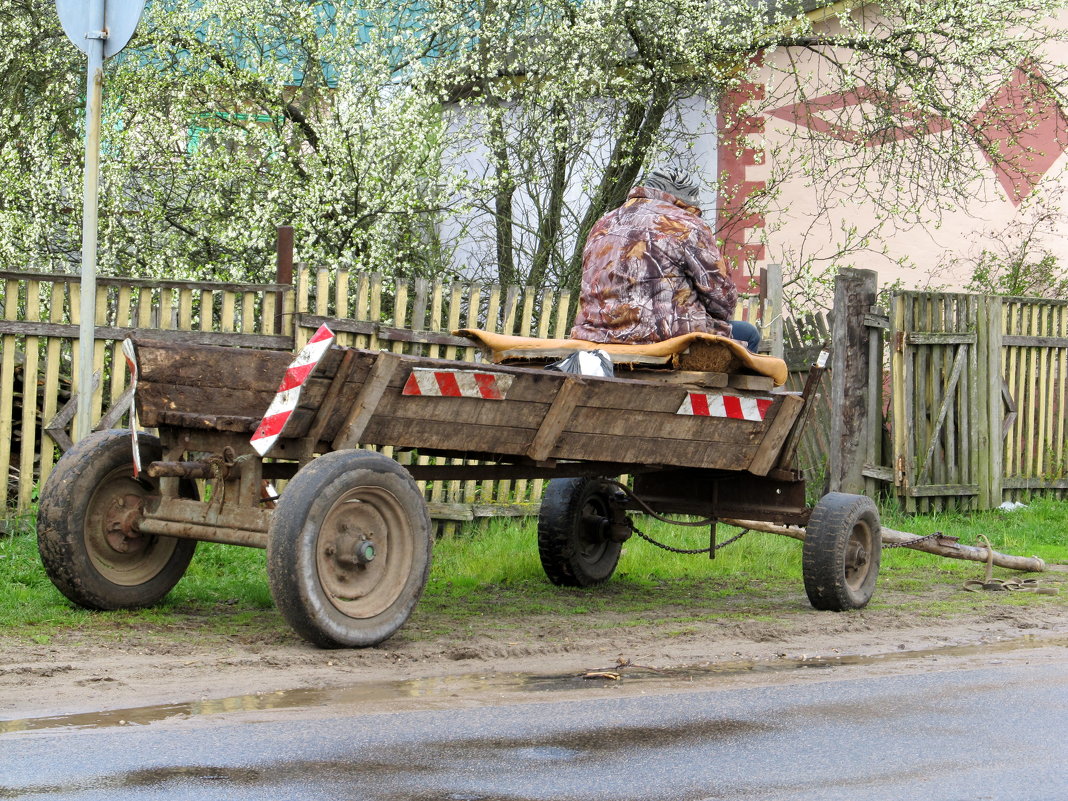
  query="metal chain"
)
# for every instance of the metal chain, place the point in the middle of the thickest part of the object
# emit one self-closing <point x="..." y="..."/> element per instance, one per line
<point x="646" y="508"/>
<point x="910" y="543"/>
<point x="719" y="545"/>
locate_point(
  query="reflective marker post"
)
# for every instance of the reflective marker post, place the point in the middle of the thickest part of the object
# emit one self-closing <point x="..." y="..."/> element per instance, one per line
<point x="96" y="38"/>
<point x="100" y="29"/>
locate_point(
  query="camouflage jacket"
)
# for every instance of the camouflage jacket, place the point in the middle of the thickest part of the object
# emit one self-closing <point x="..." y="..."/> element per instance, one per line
<point x="649" y="273"/>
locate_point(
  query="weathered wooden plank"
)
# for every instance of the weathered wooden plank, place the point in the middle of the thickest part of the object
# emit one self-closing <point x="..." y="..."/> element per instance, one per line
<point x="228" y="317"/>
<point x="118" y="408"/>
<point x="900" y="395"/>
<point x="366" y="401"/>
<point x="1035" y="483"/>
<point x="756" y="383"/>
<point x="322" y="291"/>
<point x="52" y="366"/>
<point x="209" y="422"/>
<point x="969" y="403"/>
<point x="713" y="431"/>
<point x="56" y="330"/>
<point x="329" y="402"/>
<point x="940" y="490"/>
<point x="7" y="380"/>
<point x="118" y="371"/>
<point x="879" y="473"/>
<point x="979" y="399"/>
<point x="1036" y="341"/>
<point x="939" y="337"/>
<point x="688" y="377"/>
<point x="29" y="402"/>
<point x="1010" y="368"/>
<point x="1031" y="433"/>
<point x="1061" y="399"/>
<point x="213" y="367"/>
<point x="770" y="447"/>
<point x="103" y="280"/>
<point x="1044" y="399"/>
<point x="154" y="399"/>
<point x="948" y="396"/>
<point x="638" y="450"/>
<point x="556" y="419"/>
<point x="855" y="292"/>
<point x="248" y="313"/>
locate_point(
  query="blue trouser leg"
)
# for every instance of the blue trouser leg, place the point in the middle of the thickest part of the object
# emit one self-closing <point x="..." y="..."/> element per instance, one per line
<point x="746" y="333"/>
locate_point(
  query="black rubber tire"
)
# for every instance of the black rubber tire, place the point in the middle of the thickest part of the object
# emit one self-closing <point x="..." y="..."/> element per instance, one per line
<point x="91" y="484"/>
<point x="840" y="558"/>
<point x="574" y="552"/>
<point x="329" y="510"/>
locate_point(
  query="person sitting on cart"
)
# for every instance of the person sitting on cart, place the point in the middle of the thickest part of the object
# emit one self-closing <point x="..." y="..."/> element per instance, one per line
<point x="651" y="270"/>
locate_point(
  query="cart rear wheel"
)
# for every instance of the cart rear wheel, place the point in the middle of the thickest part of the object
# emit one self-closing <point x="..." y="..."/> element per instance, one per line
<point x="87" y="526"/>
<point x="573" y="532"/>
<point x="348" y="552"/>
<point x="840" y="558"/>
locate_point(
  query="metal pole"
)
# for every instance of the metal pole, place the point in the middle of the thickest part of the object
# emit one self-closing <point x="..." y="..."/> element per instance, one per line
<point x="87" y="325"/>
<point x="284" y="271"/>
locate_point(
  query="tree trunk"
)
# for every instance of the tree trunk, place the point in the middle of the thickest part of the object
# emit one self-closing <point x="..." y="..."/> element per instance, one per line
<point x="639" y="129"/>
<point x="939" y="547"/>
<point x="502" y="203"/>
<point x="550" y="223"/>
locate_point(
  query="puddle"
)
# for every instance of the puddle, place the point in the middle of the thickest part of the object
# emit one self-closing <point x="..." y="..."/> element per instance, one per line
<point x="442" y="687"/>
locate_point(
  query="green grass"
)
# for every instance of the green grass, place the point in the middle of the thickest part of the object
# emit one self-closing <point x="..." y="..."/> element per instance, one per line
<point x="489" y="577"/>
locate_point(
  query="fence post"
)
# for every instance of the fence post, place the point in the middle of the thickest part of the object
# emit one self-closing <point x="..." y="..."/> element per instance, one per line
<point x="854" y="295"/>
<point x="993" y="445"/>
<point x="772" y="311"/>
<point x="283" y="271"/>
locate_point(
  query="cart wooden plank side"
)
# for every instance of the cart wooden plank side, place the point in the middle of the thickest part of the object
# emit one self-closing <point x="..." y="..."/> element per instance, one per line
<point x="349" y="538"/>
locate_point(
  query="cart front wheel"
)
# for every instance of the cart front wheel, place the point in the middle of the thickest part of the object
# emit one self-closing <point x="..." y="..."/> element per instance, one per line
<point x="348" y="551"/>
<point x="574" y="526"/>
<point x="87" y="526"/>
<point x="840" y="558"/>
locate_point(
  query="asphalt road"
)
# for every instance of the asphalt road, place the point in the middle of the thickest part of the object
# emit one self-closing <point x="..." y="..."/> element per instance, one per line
<point x="993" y="732"/>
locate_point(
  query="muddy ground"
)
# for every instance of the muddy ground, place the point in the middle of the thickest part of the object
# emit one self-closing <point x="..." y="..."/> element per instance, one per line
<point x="183" y="662"/>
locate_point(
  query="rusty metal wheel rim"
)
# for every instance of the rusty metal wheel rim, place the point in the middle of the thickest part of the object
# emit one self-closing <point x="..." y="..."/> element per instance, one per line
<point x="364" y="552"/>
<point x="118" y="551"/>
<point x="858" y="555"/>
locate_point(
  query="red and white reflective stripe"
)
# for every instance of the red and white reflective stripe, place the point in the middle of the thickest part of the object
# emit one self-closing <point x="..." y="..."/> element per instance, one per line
<point x="281" y="408"/>
<point x="701" y="404"/>
<point x="457" y="384"/>
<point x="131" y="361"/>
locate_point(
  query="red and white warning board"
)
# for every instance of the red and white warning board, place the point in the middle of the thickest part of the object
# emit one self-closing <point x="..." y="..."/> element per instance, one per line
<point x="457" y="384"/>
<point x="296" y="375"/>
<point x="703" y="404"/>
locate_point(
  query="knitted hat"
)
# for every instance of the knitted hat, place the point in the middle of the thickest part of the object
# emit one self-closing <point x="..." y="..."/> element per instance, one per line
<point x="675" y="182"/>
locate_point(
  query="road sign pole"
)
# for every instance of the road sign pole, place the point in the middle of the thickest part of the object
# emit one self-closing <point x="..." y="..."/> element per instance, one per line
<point x="97" y="38"/>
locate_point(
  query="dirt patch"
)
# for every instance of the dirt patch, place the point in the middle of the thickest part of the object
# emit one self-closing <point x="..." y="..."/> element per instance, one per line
<point x="107" y="669"/>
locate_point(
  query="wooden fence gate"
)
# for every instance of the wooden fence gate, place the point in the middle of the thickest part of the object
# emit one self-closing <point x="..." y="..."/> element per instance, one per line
<point x="978" y="408"/>
<point x="938" y="396"/>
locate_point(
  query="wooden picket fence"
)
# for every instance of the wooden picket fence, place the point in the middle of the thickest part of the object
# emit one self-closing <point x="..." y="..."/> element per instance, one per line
<point x="970" y="393"/>
<point x="39" y="354"/>
<point x="967" y="398"/>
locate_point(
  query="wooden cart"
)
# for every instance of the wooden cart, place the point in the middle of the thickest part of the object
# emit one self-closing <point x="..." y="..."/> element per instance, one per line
<point x="349" y="538"/>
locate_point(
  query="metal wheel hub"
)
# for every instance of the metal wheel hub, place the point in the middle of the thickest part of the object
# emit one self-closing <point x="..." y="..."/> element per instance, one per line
<point x="122" y="524"/>
<point x="113" y="540"/>
<point x="363" y="552"/>
<point x="594" y="529"/>
<point x="858" y="556"/>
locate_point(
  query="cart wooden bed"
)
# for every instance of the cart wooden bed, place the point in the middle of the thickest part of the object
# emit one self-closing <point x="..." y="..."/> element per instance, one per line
<point x="349" y="538"/>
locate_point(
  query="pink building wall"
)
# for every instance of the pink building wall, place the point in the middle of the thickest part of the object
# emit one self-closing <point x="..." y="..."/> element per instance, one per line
<point x="936" y="255"/>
